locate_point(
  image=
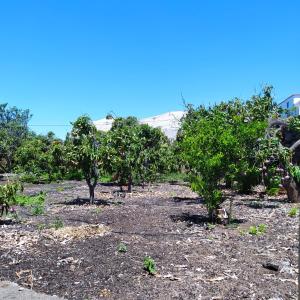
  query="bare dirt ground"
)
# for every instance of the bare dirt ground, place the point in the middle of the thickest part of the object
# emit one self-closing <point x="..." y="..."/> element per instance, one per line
<point x="194" y="259"/>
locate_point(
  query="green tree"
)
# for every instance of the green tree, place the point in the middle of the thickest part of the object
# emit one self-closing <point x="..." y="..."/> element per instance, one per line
<point x="218" y="144"/>
<point x="135" y="152"/>
<point x="83" y="151"/>
<point x="40" y="158"/>
<point x="13" y="130"/>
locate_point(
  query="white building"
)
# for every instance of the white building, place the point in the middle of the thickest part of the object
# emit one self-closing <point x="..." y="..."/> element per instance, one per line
<point x="169" y="123"/>
<point x="292" y="103"/>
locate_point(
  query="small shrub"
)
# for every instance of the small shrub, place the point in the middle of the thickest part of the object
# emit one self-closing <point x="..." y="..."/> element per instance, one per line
<point x="293" y="212"/>
<point x="149" y="265"/>
<point x="122" y="248"/>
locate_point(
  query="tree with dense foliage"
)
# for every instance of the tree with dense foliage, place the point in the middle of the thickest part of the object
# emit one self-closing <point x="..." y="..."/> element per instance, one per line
<point x="13" y="131"/>
<point x="218" y="144"/>
<point x="135" y="152"/>
<point x="83" y="151"/>
<point x="40" y="158"/>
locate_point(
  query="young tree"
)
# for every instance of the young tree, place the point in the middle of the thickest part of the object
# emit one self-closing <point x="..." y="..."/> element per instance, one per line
<point x="83" y="151"/>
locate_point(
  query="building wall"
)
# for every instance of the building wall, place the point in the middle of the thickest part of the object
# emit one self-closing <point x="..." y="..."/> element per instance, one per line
<point x="292" y="104"/>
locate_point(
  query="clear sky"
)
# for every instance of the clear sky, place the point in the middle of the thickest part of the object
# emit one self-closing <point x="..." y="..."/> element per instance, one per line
<point x="63" y="58"/>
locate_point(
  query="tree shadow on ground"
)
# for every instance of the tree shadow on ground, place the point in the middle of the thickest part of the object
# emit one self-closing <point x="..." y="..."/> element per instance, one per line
<point x="82" y="201"/>
<point x="7" y="222"/>
<point x="259" y="204"/>
<point x="199" y="220"/>
<point x="188" y="200"/>
<point x="190" y="219"/>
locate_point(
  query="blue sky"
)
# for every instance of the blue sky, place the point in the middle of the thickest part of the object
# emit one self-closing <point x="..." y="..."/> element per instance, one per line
<point x="63" y="58"/>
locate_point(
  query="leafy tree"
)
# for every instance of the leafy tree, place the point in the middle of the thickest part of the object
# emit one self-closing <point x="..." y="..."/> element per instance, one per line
<point x="121" y="150"/>
<point x="13" y="130"/>
<point x="83" y="151"/>
<point x="218" y="143"/>
<point x="40" y="158"/>
<point x="135" y="152"/>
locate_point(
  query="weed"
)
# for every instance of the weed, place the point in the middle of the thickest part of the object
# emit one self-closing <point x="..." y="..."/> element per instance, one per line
<point x="257" y="230"/>
<point x="58" y="223"/>
<point x="262" y="228"/>
<point x="37" y="209"/>
<point x="210" y="226"/>
<point x="24" y="200"/>
<point x="149" y="265"/>
<point x="41" y="226"/>
<point x="60" y="189"/>
<point x="98" y="210"/>
<point x="122" y="248"/>
<point x="242" y="232"/>
<point x="293" y="212"/>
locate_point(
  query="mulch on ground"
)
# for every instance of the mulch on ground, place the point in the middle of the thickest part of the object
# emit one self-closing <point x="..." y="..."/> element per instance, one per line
<point x="194" y="259"/>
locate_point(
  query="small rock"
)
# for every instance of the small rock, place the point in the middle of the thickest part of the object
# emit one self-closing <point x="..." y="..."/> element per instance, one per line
<point x="271" y="266"/>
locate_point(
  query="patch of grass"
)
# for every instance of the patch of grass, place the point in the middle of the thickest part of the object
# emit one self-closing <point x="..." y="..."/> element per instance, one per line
<point x="36" y="203"/>
<point x="293" y="212"/>
<point x="257" y="230"/>
<point x="37" y="209"/>
<point x="122" y="248"/>
<point x="24" y="200"/>
<point x="149" y="265"/>
<point x="58" y="223"/>
<point x="60" y="189"/>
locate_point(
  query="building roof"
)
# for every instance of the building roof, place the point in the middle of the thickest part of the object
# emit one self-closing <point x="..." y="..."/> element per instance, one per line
<point x="291" y="96"/>
<point x="168" y="122"/>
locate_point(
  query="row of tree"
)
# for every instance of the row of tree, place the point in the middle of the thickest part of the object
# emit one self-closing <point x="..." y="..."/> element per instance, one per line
<point x="130" y="152"/>
<point x="231" y="144"/>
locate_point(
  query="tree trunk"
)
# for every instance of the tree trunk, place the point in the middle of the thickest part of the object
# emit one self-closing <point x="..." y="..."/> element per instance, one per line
<point x="92" y="189"/>
<point x="129" y="184"/>
<point x="293" y="191"/>
<point x="92" y="193"/>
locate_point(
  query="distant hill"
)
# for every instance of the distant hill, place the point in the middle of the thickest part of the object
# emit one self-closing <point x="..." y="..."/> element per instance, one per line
<point x="168" y="122"/>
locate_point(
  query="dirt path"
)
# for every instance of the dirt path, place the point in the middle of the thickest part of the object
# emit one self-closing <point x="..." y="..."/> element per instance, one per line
<point x="194" y="259"/>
